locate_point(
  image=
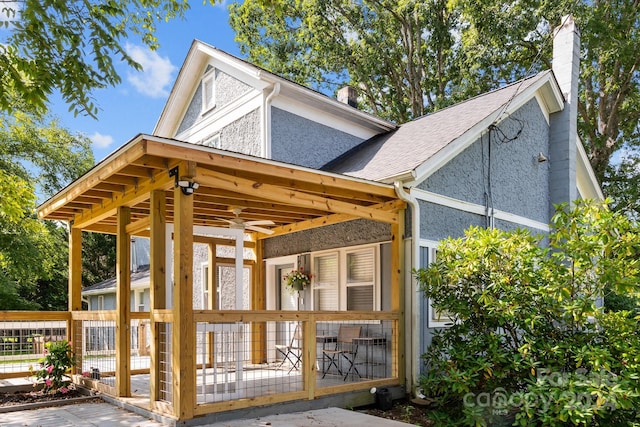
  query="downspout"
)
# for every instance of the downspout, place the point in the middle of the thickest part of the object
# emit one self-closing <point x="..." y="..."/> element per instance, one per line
<point x="266" y="119"/>
<point x="412" y="319"/>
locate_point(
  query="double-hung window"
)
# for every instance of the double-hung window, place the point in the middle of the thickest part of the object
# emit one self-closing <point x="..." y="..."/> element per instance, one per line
<point x="361" y="280"/>
<point x="326" y="282"/>
<point x="428" y="254"/>
<point x="346" y="279"/>
<point x="208" y="91"/>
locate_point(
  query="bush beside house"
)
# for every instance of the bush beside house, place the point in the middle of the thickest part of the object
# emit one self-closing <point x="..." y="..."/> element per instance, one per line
<point x="531" y="343"/>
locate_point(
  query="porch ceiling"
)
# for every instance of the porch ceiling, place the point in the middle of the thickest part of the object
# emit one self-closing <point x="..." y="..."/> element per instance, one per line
<point x="293" y="197"/>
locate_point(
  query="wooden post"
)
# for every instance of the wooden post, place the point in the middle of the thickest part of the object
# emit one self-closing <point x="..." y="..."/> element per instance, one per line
<point x="75" y="293"/>
<point x="212" y="303"/>
<point x="309" y="356"/>
<point x="123" y="303"/>
<point x="397" y="293"/>
<point x="184" y="340"/>
<point x="259" y="302"/>
<point x="158" y="294"/>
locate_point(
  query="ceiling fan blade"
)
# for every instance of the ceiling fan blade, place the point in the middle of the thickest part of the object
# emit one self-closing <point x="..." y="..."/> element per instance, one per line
<point x="260" y="222"/>
<point x="230" y="221"/>
<point x="259" y="229"/>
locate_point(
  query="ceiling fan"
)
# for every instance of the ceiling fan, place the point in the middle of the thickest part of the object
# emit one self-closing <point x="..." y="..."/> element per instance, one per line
<point x="240" y="224"/>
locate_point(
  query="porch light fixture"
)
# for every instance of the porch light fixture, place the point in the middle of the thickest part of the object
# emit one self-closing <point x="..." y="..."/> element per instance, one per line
<point x="187" y="186"/>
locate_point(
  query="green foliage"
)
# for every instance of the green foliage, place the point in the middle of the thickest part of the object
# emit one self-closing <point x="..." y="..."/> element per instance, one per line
<point x="54" y="367"/>
<point x="98" y="257"/>
<point x="70" y="46"/>
<point x="408" y="58"/>
<point x="37" y="158"/>
<point x="531" y="343"/>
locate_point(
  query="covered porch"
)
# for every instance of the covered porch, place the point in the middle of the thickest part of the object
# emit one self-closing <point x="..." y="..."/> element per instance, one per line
<point x="184" y="361"/>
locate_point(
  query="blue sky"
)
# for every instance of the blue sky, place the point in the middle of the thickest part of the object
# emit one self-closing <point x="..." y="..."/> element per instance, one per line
<point x="134" y="106"/>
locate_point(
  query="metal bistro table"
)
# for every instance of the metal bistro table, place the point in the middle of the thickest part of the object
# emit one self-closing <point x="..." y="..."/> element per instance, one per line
<point x="324" y="340"/>
<point x="369" y="344"/>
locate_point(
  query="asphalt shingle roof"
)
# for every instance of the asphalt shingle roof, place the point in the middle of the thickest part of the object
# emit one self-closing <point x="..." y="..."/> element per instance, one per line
<point x="402" y="150"/>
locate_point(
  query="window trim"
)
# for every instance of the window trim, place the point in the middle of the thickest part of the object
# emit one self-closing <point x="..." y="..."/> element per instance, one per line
<point x="342" y="284"/>
<point x="100" y="303"/>
<point x="208" y="78"/>
<point x="443" y="321"/>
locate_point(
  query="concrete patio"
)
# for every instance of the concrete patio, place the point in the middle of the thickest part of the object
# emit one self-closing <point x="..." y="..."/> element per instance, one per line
<point x="106" y="415"/>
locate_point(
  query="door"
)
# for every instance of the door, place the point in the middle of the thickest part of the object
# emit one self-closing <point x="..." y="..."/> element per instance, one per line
<point x="286" y="301"/>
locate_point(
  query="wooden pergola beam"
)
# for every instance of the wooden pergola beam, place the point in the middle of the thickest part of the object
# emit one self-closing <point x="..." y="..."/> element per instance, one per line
<point x="131" y="197"/>
<point x="327" y="220"/>
<point x="95" y="177"/>
<point x="284" y="195"/>
<point x="238" y="162"/>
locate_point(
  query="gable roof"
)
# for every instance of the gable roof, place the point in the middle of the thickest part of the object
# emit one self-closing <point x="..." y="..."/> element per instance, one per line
<point x="201" y="54"/>
<point x="418" y="148"/>
<point x="139" y="279"/>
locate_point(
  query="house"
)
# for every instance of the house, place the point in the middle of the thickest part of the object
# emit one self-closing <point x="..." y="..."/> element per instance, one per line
<point x="280" y="177"/>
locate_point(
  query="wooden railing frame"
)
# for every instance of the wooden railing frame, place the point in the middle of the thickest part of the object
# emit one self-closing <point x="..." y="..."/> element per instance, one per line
<point x="308" y="318"/>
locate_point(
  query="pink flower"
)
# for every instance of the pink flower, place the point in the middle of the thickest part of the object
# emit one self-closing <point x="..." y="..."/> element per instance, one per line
<point x="47" y="382"/>
<point x="63" y="390"/>
<point x="50" y="368"/>
<point x="85" y="374"/>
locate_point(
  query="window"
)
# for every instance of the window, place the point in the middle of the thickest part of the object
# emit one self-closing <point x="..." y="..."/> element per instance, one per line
<point x="100" y="302"/>
<point x="141" y="303"/>
<point x="360" y="280"/>
<point x="428" y="253"/>
<point x="326" y="282"/>
<point x="346" y="280"/>
<point x="208" y="91"/>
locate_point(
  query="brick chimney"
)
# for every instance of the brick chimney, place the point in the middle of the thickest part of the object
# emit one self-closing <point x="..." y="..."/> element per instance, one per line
<point x="348" y="95"/>
<point x="563" y="133"/>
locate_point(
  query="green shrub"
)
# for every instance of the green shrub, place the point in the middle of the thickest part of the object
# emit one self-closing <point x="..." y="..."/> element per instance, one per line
<point x="531" y="343"/>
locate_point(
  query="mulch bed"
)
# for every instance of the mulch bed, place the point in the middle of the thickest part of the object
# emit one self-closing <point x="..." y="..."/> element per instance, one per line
<point x="20" y="400"/>
<point x="403" y="410"/>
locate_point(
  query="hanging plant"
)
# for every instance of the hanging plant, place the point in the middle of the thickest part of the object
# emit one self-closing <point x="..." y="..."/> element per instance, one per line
<point x="297" y="280"/>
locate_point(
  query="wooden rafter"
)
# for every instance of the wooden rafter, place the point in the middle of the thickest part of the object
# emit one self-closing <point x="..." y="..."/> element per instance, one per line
<point x="293" y="198"/>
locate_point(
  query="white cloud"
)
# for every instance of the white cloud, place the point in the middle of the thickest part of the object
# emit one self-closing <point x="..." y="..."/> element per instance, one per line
<point x="100" y="140"/>
<point x="156" y="75"/>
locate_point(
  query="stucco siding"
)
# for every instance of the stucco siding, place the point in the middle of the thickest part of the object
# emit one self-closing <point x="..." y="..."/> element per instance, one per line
<point x="303" y="142"/>
<point x="439" y="222"/>
<point x="227" y="89"/>
<point x="243" y="135"/>
<point x="352" y="233"/>
<point x="507" y="170"/>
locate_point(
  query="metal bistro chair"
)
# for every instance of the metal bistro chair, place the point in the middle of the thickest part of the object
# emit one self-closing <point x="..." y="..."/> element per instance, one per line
<point x="293" y="351"/>
<point x="345" y="348"/>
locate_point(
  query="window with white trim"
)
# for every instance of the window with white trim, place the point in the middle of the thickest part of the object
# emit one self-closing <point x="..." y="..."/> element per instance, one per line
<point x="325" y="282"/>
<point x="428" y="254"/>
<point x="100" y="302"/>
<point x="347" y="279"/>
<point x="361" y="280"/>
<point x="208" y="91"/>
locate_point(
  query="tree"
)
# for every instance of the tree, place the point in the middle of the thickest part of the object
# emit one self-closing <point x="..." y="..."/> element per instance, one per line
<point x="37" y="157"/>
<point x="412" y="57"/>
<point x="530" y="341"/>
<point x="70" y="46"/>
